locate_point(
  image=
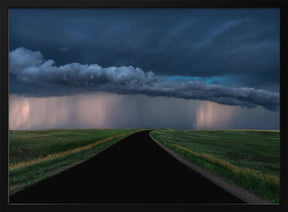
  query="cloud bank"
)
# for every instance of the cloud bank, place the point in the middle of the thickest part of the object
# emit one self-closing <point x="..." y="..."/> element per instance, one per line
<point x="31" y="67"/>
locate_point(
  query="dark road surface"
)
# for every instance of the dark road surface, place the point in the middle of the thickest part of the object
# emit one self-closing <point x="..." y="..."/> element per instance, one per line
<point x="135" y="170"/>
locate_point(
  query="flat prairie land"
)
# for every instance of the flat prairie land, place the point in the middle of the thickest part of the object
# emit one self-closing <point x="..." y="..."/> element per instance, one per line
<point x="36" y="155"/>
<point x="246" y="158"/>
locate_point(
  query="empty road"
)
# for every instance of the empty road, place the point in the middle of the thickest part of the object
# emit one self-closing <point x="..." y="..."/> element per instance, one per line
<point x="135" y="170"/>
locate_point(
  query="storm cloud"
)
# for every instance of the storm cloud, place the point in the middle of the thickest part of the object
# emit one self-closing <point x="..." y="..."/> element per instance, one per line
<point x="31" y="67"/>
<point x="244" y="43"/>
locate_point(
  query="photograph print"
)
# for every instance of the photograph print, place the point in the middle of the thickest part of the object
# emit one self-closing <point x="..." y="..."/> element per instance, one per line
<point x="144" y="105"/>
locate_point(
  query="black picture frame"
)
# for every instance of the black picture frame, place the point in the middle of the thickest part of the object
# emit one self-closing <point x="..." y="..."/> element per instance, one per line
<point x="5" y="5"/>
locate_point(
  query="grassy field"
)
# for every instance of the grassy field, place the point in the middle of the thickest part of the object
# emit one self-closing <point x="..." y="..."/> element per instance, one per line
<point x="247" y="158"/>
<point x="36" y="155"/>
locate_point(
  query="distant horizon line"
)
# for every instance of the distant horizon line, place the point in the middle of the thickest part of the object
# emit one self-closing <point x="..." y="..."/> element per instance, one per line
<point x="243" y="129"/>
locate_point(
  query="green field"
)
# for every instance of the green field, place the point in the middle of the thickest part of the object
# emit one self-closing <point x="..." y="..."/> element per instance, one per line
<point x="36" y="155"/>
<point x="247" y="158"/>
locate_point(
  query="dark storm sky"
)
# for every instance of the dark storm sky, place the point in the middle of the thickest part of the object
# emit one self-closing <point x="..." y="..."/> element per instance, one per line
<point x="226" y="56"/>
<point x="230" y="47"/>
<point x="197" y="42"/>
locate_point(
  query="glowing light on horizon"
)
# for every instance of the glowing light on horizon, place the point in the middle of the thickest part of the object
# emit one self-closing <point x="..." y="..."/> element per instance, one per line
<point x="211" y="115"/>
<point x="27" y="113"/>
<point x="106" y="110"/>
<point x="23" y="113"/>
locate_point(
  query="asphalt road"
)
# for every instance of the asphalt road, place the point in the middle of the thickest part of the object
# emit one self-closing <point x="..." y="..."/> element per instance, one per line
<point x="135" y="170"/>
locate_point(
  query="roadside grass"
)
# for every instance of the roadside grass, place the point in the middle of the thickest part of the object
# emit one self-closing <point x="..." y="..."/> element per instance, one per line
<point x="30" y="145"/>
<point x="247" y="158"/>
<point x="46" y="158"/>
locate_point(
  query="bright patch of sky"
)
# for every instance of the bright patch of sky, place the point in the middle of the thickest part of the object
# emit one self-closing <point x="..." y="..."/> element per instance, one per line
<point x="223" y="80"/>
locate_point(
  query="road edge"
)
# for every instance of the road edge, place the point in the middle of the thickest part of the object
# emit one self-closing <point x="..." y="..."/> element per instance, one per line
<point x="234" y="190"/>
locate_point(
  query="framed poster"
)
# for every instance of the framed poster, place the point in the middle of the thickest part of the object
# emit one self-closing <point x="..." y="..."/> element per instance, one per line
<point x="154" y="106"/>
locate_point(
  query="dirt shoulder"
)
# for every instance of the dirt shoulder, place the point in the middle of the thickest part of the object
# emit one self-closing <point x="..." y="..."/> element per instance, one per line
<point x="234" y="190"/>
